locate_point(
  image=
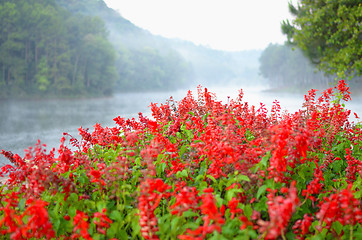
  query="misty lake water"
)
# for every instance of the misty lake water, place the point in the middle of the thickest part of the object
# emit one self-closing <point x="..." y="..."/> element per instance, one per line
<point x="23" y="122"/>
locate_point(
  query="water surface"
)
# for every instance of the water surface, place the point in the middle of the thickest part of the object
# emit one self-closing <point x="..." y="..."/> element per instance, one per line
<point x="23" y="122"/>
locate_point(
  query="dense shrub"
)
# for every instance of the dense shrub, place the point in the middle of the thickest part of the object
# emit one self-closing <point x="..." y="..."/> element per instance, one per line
<point x="200" y="169"/>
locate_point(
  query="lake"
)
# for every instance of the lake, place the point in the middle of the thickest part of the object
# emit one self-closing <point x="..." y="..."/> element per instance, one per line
<point x="23" y="122"/>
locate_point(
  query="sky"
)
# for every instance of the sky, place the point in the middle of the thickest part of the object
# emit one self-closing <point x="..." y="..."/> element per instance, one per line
<point x="231" y="25"/>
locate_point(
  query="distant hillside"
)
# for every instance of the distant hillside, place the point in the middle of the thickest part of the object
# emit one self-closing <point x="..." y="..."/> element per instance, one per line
<point x="72" y="48"/>
<point x="144" y="62"/>
<point x="203" y="65"/>
<point x="220" y="67"/>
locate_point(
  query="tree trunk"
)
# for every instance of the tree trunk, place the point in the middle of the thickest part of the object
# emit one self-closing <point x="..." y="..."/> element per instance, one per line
<point x="4" y="77"/>
<point x="75" y="68"/>
<point x="36" y="57"/>
<point x="8" y="77"/>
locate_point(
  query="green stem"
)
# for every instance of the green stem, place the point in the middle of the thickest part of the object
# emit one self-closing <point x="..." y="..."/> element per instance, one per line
<point x="351" y="232"/>
<point x="263" y="235"/>
<point x="305" y="200"/>
<point x="283" y="235"/>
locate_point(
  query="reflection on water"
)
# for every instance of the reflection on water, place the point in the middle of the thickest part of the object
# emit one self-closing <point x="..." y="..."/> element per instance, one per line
<point x="22" y="123"/>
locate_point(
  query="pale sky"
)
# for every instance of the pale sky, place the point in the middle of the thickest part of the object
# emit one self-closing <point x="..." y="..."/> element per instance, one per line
<point x="220" y="24"/>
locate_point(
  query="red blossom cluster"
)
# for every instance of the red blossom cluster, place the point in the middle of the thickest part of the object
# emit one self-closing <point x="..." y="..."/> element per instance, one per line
<point x="152" y="191"/>
<point x="280" y="212"/>
<point x="342" y="207"/>
<point x="211" y="215"/>
<point x="81" y="226"/>
<point x="199" y="169"/>
<point x="32" y="223"/>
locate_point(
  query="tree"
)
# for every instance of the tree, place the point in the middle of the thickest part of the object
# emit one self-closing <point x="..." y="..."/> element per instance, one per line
<point x="48" y="50"/>
<point x="283" y="67"/>
<point x="329" y="33"/>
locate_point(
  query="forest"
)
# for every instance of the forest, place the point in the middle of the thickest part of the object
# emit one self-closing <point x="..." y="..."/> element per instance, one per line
<point x="47" y="48"/>
<point x="285" y="67"/>
<point x="191" y="64"/>
<point x="329" y="34"/>
<point x="76" y="48"/>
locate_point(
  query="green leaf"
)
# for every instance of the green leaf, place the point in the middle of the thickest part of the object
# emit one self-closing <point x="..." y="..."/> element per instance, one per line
<point x="56" y="224"/>
<point x="182" y="150"/>
<point x="72" y="211"/>
<point x="163" y="166"/>
<point x="242" y="178"/>
<point x="182" y="174"/>
<point x="178" y="135"/>
<point x="115" y="215"/>
<point x="337" y="226"/>
<point x="261" y="191"/>
<point x="21" y="204"/>
<point x="73" y="197"/>
<point x="248" y="211"/>
<point x="231" y="193"/>
<point x="174" y="223"/>
<point x="189" y="214"/>
<point x="264" y="160"/>
<point x="191" y="225"/>
<point x="199" y="178"/>
<point x="262" y="204"/>
<point x="122" y="234"/>
<point x="217" y="236"/>
<point x="190" y="135"/>
<point x="90" y="204"/>
<point x="83" y="178"/>
<point x="101" y="205"/>
<point x="112" y="230"/>
<point x="211" y="177"/>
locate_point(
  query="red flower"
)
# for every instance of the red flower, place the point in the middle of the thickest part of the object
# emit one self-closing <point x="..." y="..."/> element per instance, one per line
<point x="233" y="206"/>
<point x="280" y="211"/>
<point x="186" y="199"/>
<point x="342" y="207"/>
<point x="301" y="226"/>
<point x="101" y="221"/>
<point x="211" y="215"/>
<point x="96" y="176"/>
<point x="152" y="191"/>
<point x="80" y="222"/>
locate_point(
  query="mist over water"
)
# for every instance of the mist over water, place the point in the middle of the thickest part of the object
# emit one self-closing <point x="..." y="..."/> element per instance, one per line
<point x="23" y="122"/>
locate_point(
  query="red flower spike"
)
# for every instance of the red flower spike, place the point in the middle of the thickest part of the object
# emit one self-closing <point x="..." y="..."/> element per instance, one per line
<point x="211" y="215"/>
<point x="101" y="221"/>
<point x="301" y="226"/>
<point x="152" y="190"/>
<point x="342" y="207"/>
<point x="81" y="223"/>
<point x="233" y="206"/>
<point x="186" y="199"/>
<point x="280" y="212"/>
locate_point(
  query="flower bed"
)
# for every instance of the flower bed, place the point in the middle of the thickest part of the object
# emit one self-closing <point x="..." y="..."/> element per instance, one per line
<point x="200" y="169"/>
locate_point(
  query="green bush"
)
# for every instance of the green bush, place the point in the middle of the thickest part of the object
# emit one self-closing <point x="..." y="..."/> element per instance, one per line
<point x="200" y="169"/>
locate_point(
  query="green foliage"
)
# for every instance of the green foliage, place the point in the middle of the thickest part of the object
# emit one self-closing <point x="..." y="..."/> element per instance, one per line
<point x="149" y="69"/>
<point x="144" y="62"/>
<point x="284" y="66"/>
<point x="46" y="50"/>
<point x="329" y="33"/>
<point x="200" y="169"/>
<point x="62" y="48"/>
